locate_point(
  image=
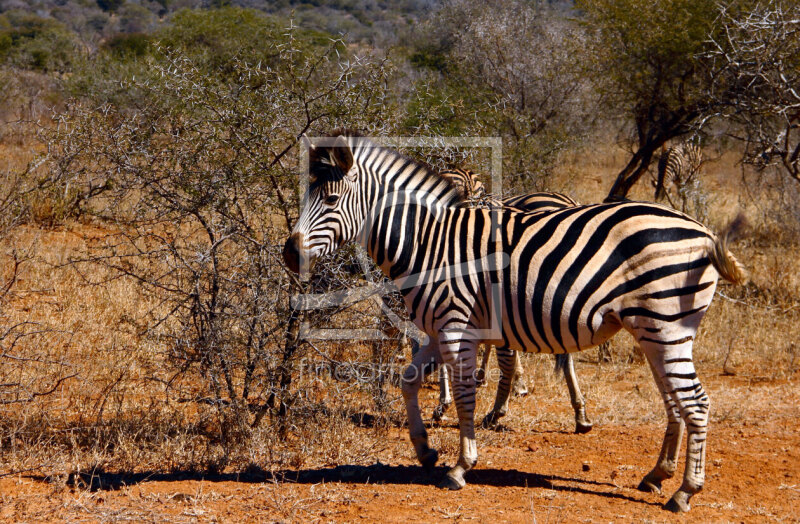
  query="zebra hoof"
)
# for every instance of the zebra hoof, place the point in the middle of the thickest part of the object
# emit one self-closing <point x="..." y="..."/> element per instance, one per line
<point x="491" y="420"/>
<point x="453" y="484"/>
<point x="520" y="390"/>
<point x="679" y="503"/>
<point x="582" y="427"/>
<point x="649" y="486"/>
<point x="438" y="412"/>
<point x="429" y="460"/>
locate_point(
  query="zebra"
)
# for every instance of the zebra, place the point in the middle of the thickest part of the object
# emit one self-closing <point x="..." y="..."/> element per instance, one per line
<point x="678" y="167"/>
<point x="510" y="362"/>
<point x="554" y="282"/>
<point x="467" y="182"/>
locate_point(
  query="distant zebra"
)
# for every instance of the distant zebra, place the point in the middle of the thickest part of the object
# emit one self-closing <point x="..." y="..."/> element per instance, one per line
<point x="679" y="168"/>
<point x="510" y="362"/>
<point x="553" y="282"/>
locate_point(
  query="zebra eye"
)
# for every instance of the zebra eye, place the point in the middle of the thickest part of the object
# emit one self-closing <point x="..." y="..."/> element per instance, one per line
<point x="331" y="199"/>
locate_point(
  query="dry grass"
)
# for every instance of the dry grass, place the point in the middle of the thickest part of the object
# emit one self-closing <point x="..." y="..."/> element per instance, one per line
<point x="111" y="410"/>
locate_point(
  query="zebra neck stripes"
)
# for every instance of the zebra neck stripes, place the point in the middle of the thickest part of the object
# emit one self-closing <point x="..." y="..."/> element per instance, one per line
<point x="389" y="172"/>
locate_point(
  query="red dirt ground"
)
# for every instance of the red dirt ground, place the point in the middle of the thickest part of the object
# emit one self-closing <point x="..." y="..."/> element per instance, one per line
<point x="545" y="474"/>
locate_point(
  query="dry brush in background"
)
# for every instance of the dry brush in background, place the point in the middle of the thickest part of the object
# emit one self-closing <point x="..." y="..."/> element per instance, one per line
<point x="145" y="320"/>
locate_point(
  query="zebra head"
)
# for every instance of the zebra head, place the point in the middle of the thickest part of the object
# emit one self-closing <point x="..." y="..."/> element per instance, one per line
<point x="333" y="210"/>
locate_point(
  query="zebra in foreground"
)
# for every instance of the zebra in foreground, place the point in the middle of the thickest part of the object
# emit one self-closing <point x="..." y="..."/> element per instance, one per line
<point x="510" y="362"/>
<point x="567" y="280"/>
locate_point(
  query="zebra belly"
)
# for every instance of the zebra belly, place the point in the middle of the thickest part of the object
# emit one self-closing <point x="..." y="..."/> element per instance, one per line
<point x="604" y="325"/>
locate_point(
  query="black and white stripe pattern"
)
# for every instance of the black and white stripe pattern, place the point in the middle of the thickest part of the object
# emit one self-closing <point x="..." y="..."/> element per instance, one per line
<point x="552" y="282"/>
<point x="541" y="201"/>
<point x="678" y="167"/>
<point x="510" y="362"/>
<point x="466" y="181"/>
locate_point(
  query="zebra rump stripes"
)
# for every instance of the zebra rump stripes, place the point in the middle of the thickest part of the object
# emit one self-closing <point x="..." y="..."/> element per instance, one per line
<point x="551" y="282"/>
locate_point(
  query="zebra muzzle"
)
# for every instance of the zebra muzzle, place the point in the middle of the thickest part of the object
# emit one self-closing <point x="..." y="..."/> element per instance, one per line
<point x="293" y="253"/>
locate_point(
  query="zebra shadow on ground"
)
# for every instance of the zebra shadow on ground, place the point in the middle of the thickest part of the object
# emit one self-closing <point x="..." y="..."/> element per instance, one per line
<point x="375" y="474"/>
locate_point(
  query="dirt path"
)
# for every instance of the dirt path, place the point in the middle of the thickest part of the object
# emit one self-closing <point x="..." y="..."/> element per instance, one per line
<point x="541" y="475"/>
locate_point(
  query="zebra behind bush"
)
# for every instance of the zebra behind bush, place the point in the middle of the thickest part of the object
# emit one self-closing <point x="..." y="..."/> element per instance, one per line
<point x="552" y="282"/>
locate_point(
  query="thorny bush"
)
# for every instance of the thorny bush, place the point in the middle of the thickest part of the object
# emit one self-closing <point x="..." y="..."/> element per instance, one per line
<point x="195" y="192"/>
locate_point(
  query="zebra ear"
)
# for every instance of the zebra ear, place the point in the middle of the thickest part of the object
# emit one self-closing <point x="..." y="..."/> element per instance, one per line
<point x="341" y="155"/>
<point x="313" y="152"/>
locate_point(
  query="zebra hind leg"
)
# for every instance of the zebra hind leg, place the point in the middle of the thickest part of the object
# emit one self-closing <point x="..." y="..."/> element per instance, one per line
<point x="670" y="449"/>
<point x="422" y="364"/>
<point x="687" y="404"/>
<point x="480" y="375"/>
<point x="506" y="360"/>
<point x="565" y="362"/>
<point x="519" y="386"/>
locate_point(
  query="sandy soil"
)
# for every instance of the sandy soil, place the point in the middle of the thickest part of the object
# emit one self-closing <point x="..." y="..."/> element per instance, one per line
<point x="533" y="474"/>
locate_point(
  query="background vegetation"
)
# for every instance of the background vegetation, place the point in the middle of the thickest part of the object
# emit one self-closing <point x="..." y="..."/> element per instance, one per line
<point x="149" y="178"/>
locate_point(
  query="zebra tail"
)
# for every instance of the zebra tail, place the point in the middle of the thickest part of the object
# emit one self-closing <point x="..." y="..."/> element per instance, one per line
<point x="561" y="363"/>
<point x="726" y="264"/>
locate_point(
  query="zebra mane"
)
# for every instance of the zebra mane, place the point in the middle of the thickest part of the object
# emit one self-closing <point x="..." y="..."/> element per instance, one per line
<point x="357" y="140"/>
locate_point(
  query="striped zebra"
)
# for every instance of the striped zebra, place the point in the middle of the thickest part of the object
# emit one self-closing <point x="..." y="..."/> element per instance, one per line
<point x="552" y="282"/>
<point x="467" y="182"/>
<point x="510" y="362"/>
<point x="678" y="167"/>
<point x="471" y="188"/>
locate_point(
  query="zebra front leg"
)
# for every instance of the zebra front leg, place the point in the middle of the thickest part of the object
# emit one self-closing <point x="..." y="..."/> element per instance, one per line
<point x="506" y="360"/>
<point x="461" y="358"/>
<point x="582" y="422"/>
<point x="423" y="363"/>
<point x="445" y="398"/>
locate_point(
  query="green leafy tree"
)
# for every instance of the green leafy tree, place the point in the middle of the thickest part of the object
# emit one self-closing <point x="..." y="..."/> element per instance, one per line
<point x="128" y="45"/>
<point x="31" y="42"/>
<point x="649" y="62"/>
<point x="213" y="37"/>
<point x="135" y="19"/>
